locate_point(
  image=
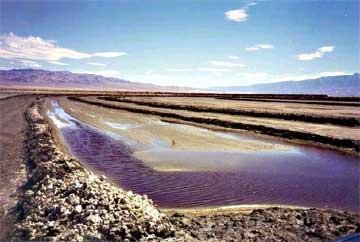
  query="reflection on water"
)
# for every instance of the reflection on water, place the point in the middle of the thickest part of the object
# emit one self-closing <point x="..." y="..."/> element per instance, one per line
<point x="305" y="176"/>
<point x="119" y="126"/>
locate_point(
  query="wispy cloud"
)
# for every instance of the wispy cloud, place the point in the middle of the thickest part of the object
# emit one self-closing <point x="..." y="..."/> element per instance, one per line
<point x="109" y="54"/>
<point x="233" y="57"/>
<point x="26" y="63"/>
<point x="58" y="63"/>
<point x="226" y="64"/>
<point x="236" y="15"/>
<point x="36" y="48"/>
<point x="179" y="69"/>
<point x="239" y="15"/>
<point x="259" y="47"/>
<point x="95" y="64"/>
<point x="252" y="75"/>
<point x="209" y="69"/>
<point x="319" y="53"/>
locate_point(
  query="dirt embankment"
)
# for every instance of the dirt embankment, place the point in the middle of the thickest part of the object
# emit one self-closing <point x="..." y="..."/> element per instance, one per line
<point x="284" y="133"/>
<point x="342" y="121"/>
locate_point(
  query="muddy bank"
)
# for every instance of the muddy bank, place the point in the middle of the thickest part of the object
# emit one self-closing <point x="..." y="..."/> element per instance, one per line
<point x="64" y="201"/>
<point x="284" y="133"/>
<point x="342" y="121"/>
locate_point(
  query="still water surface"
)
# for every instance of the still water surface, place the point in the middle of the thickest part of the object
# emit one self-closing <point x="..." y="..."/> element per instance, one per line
<point x="302" y="175"/>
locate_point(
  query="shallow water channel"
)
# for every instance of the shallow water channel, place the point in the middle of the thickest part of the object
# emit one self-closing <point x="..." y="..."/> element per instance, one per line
<point x="299" y="175"/>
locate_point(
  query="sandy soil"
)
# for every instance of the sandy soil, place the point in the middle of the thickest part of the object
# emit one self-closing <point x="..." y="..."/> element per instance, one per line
<point x="12" y="136"/>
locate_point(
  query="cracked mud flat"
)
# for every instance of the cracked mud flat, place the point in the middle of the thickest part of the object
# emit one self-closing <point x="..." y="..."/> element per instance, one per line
<point x="50" y="209"/>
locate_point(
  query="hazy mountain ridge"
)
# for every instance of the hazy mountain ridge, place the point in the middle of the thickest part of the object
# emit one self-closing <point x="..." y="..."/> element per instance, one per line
<point x="345" y="85"/>
<point x="65" y="79"/>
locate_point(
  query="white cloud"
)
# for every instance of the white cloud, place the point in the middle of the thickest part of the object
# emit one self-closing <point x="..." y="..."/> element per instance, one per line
<point x="227" y="64"/>
<point x="259" y="47"/>
<point x="179" y="69"/>
<point x="106" y="73"/>
<point x="237" y="15"/>
<point x="315" y="55"/>
<point x="95" y="64"/>
<point x="233" y="57"/>
<point x="109" y="54"/>
<point x="209" y="69"/>
<point x="253" y="75"/>
<point x="27" y="63"/>
<point x="326" y="49"/>
<point x="58" y="63"/>
<point x="36" y="48"/>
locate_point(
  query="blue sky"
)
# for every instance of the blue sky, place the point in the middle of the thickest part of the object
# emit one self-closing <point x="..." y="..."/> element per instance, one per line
<point x="197" y="43"/>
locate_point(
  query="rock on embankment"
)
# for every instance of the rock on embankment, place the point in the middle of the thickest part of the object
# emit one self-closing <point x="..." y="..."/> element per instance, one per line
<point x="271" y="224"/>
<point x="66" y="202"/>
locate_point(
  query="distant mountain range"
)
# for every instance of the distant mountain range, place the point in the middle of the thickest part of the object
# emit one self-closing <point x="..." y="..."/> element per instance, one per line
<point x="35" y="78"/>
<point x="345" y="85"/>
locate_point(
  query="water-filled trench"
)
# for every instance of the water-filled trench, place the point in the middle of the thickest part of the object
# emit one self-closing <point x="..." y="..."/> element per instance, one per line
<point x="300" y="175"/>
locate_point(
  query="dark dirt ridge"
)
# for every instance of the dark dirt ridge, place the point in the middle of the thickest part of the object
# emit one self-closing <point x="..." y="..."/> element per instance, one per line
<point x="288" y="134"/>
<point x="65" y="202"/>
<point x="305" y="97"/>
<point x="342" y="121"/>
